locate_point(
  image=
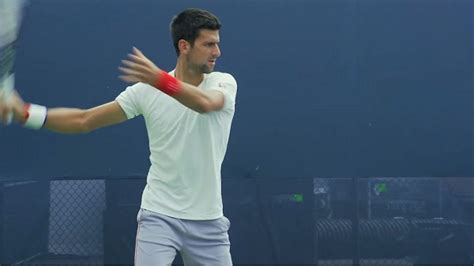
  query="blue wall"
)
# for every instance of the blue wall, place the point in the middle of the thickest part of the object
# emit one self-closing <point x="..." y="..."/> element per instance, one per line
<point x="326" y="88"/>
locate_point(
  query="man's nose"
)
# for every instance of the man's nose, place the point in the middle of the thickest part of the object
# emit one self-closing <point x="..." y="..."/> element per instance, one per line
<point x="217" y="51"/>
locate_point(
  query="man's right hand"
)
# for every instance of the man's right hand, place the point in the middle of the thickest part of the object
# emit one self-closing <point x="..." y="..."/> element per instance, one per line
<point x="14" y="105"/>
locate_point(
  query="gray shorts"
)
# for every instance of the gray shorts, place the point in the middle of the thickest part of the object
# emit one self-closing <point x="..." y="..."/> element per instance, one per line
<point x="160" y="237"/>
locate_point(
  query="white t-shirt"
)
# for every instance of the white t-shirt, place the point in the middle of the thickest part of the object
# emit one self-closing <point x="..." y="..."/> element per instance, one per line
<point x="186" y="148"/>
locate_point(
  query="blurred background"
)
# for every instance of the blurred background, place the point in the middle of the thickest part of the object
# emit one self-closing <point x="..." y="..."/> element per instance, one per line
<point x="352" y="141"/>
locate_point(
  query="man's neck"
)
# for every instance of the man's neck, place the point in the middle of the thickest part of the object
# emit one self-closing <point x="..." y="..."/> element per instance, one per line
<point x="184" y="73"/>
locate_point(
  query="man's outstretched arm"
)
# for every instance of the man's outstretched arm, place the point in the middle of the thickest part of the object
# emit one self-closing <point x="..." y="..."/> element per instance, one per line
<point x="69" y="120"/>
<point x="73" y="121"/>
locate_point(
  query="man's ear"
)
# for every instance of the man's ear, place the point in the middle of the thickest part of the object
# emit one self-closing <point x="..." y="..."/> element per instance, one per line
<point x="184" y="46"/>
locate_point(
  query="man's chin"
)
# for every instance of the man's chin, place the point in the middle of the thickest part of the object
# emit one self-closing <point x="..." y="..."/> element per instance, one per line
<point x="205" y="69"/>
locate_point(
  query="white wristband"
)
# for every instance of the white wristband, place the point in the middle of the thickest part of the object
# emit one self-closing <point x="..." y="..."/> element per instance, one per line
<point x="36" y="116"/>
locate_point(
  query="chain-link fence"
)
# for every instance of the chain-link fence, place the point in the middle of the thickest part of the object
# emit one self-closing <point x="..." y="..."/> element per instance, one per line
<point x="76" y="217"/>
<point x="57" y="221"/>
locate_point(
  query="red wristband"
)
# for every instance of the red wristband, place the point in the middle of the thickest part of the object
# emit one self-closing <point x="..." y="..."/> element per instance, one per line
<point x="167" y="83"/>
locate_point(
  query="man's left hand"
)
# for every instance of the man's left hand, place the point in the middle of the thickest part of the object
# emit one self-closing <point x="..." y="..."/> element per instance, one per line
<point x="138" y="68"/>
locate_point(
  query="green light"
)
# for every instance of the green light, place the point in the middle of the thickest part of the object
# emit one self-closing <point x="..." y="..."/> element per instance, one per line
<point x="297" y="197"/>
<point x="381" y="188"/>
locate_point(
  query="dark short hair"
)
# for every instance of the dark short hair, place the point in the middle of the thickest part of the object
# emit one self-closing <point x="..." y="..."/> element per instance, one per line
<point x="187" y="25"/>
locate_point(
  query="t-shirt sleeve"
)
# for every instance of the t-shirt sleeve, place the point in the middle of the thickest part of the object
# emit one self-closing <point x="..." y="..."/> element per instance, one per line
<point x="130" y="101"/>
<point x="226" y="84"/>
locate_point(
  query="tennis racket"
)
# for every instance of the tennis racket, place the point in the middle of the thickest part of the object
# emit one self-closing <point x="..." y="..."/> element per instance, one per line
<point x="10" y="19"/>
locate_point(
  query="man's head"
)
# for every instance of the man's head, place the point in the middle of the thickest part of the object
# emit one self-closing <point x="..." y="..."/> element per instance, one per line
<point x="195" y="34"/>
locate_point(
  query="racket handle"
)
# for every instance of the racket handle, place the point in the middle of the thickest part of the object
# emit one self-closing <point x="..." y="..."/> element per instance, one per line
<point x="9" y="118"/>
<point x="7" y="87"/>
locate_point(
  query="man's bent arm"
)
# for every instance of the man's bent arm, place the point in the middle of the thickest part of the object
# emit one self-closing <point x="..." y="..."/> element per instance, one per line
<point x="199" y="100"/>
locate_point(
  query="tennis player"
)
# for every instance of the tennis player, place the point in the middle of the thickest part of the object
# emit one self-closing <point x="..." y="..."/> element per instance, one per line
<point x="188" y="114"/>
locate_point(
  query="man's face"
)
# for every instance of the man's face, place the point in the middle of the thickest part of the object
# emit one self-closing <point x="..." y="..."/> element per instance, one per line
<point x="203" y="54"/>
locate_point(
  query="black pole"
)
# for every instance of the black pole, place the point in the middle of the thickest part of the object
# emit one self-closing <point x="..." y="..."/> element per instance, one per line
<point x="355" y="223"/>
